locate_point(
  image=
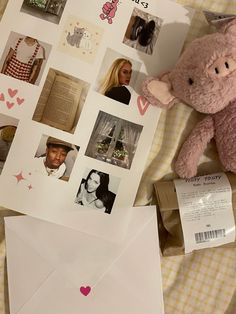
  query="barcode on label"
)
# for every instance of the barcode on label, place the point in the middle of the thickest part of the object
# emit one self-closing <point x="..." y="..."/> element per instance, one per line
<point x="206" y="236"/>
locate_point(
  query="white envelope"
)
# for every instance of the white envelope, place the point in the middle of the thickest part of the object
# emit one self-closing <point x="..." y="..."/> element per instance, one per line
<point x="51" y="268"/>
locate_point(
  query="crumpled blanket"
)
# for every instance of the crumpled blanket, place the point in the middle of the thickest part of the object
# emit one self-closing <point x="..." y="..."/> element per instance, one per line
<point x="203" y="282"/>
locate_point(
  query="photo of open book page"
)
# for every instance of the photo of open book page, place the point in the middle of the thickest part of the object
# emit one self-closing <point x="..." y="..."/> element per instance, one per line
<point x="75" y="129"/>
<point x="61" y="101"/>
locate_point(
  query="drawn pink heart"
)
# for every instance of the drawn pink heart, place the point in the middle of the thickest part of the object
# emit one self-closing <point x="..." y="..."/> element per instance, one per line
<point x="2" y="98"/>
<point x="20" y="100"/>
<point x="85" y="290"/>
<point x="9" y="104"/>
<point x="143" y="104"/>
<point x="12" y="92"/>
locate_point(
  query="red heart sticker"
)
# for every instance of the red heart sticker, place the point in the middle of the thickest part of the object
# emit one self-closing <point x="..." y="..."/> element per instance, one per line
<point x="12" y="92"/>
<point x="143" y="104"/>
<point x="20" y="100"/>
<point x="85" y="290"/>
<point x="9" y="104"/>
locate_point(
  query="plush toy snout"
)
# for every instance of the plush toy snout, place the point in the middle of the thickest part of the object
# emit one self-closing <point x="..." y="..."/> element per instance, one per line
<point x="221" y="67"/>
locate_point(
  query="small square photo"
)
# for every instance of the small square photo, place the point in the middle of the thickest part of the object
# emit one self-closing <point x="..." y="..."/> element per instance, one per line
<point x="80" y="39"/>
<point x="117" y="76"/>
<point x="97" y="190"/>
<point x="142" y="31"/>
<point x="61" y="101"/>
<point x="48" y="10"/>
<point x="55" y="157"/>
<point x="114" y="140"/>
<point x="24" y="58"/>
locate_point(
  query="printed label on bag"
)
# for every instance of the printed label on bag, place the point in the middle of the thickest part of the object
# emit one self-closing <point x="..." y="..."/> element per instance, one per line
<point x="206" y="211"/>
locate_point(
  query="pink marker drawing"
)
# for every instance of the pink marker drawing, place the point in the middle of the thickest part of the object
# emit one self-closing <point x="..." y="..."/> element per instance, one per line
<point x="109" y="11"/>
<point x="10" y="103"/>
<point x="143" y="105"/>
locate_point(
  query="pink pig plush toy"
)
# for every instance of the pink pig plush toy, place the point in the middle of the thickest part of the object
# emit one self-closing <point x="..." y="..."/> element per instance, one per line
<point x="205" y="79"/>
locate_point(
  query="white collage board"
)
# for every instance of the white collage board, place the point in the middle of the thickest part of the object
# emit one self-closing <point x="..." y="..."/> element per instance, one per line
<point x="82" y="44"/>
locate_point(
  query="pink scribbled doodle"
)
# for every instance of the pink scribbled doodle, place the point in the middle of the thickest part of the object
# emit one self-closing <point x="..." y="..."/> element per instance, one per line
<point x="2" y="97"/>
<point x="142" y="104"/>
<point x="20" y="100"/>
<point x="21" y="178"/>
<point x="12" y="101"/>
<point x="9" y="104"/>
<point x="109" y="10"/>
<point x="12" y="92"/>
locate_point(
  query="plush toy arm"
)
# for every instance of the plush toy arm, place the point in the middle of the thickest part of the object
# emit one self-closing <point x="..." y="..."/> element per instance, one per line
<point x="193" y="148"/>
<point x="158" y="91"/>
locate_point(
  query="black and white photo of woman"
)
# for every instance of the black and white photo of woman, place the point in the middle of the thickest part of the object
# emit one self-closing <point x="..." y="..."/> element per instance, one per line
<point x="94" y="192"/>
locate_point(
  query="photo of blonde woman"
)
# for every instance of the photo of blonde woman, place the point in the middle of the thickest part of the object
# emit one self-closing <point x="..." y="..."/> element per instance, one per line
<point x="117" y="76"/>
<point x="116" y="79"/>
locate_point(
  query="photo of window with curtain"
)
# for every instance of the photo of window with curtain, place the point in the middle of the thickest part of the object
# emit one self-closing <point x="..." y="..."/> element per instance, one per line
<point x="114" y="140"/>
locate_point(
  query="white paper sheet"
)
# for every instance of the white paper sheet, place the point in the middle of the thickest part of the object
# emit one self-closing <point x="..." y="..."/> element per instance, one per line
<point x="104" y="40"/>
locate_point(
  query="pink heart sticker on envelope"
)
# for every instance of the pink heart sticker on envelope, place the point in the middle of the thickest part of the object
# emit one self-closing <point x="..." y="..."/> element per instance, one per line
<point x="143" y="104"/>
<point x="9" y="104"/>
<point x="85" y="290"/>
<point x="12" y="92"/>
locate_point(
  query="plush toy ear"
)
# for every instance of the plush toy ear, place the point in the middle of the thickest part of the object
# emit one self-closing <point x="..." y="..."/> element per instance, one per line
<point x="158" y="91"/>
<point x="229" y="27"/>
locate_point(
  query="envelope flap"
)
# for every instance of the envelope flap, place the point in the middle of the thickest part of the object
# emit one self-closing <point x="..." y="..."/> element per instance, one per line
<point x="22" y="260"/>
<point x="83" y="257"/>
<point x="57" y="244"/>
<point x="94" y="260"/>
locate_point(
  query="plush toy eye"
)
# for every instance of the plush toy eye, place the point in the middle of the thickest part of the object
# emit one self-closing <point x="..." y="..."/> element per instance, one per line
<point x="190" y="81"/>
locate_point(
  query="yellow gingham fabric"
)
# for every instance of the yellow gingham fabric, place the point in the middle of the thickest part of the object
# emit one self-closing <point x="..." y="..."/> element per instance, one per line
<point x="203" y="282"/>
<point x="200" y="283"/>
